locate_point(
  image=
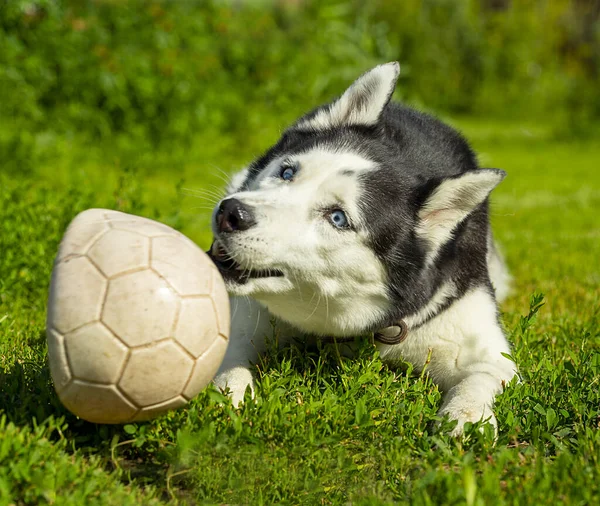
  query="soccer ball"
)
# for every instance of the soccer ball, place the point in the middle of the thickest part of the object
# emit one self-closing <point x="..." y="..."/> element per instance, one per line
<point x="138" y="318"/>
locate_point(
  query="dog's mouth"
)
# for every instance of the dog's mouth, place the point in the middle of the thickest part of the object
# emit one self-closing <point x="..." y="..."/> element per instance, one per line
<point x="232" y="271"/>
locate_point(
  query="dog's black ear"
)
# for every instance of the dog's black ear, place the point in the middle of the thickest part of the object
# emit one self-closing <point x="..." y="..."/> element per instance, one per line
<point x="451" y="201"/>
<point x="361" y="104"/>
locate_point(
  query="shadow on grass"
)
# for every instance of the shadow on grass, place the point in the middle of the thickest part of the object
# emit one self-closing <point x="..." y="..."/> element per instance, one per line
<point x="27" y="393"/>
<point x="28" y="400"/>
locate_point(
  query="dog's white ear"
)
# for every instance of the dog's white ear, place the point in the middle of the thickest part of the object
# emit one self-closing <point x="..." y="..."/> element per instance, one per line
<point x="361" y="104"/>
<point x="452" y="201"/>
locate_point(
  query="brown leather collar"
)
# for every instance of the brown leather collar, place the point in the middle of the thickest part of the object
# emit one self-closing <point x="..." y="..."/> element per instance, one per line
<point x="394" y="334"/>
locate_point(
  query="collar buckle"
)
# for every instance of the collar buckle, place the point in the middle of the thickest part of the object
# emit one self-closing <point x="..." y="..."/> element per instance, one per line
<point x="394" y="334"/>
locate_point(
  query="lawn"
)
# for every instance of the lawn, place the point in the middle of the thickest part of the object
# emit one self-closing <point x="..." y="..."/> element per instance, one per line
<point x="323" y="429"/>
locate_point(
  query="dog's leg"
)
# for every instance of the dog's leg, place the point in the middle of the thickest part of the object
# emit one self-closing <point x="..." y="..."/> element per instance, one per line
<point x="250" y="324"/>
<point x="471" y="400"/>
<point x="470" y="366"/>
<point x="465" y="347"/>
<point x="477" y="374"/>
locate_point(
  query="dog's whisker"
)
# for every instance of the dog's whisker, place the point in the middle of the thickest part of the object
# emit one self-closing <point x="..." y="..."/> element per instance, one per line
<point x="312" y="298"/>
<point x="223" y="176"/>
<point x="211" y="204"/>
<point x="207" y="192"/>
<point x="216" y="189"/>
<point x="315" y="309"/>
<point x="196" y="191"/>
<point x="257" y="322"/>
<point x="206" y="195"/>
<point x="212" y="201"/>
<point x="201" y="190"/>
<point x="298" y="286"/>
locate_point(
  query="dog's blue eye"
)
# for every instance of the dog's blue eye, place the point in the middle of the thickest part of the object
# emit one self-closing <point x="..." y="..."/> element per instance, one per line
<point x="338" y="219"/>
<point x="288" y="173"/>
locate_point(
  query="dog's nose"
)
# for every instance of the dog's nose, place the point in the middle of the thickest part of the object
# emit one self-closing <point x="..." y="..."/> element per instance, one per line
<point x="234" y="216"/>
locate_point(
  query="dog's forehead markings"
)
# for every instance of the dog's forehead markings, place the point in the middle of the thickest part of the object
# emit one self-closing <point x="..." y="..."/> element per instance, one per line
<point x="335" y="159"/>
<point x="330" y="174"/>
<point x="321" y="160"/>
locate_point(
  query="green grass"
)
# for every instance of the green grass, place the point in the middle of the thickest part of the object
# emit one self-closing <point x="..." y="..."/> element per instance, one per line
<point x="324" y="429"/>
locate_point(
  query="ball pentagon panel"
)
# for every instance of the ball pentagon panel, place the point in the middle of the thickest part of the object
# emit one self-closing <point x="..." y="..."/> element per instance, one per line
<point x="140" y="308"/>
<point x="206" y="367"/>
<point x="220" y="301"/>
<point x="195" y="338"/>
<point x="156" y="373"/>
<point x="76" y="294"/>
<point x="196" y="281"/>
<point x="57" y="358"/>
<point x="97" y="403"/>
<point x="107" y="252"/>
<point x="101" y="362"/>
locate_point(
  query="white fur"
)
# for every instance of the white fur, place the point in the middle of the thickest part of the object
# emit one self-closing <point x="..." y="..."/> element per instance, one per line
<point x="499" y="275"/>
<point x="372" y="91"/>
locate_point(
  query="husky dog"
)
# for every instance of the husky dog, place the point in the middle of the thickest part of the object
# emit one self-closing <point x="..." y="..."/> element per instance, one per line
<point x="368" y="217"/>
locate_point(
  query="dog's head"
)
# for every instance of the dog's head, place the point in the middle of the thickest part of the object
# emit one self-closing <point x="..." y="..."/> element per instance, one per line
<point x="341" y="225"/>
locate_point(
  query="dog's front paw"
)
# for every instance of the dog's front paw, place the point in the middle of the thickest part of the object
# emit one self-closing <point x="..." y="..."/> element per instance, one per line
<point x="236" y="379"/>
<point x="464" y="411"/>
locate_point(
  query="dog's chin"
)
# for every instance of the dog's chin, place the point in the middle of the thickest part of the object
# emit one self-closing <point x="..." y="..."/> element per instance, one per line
<point x="261" y="289"/>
